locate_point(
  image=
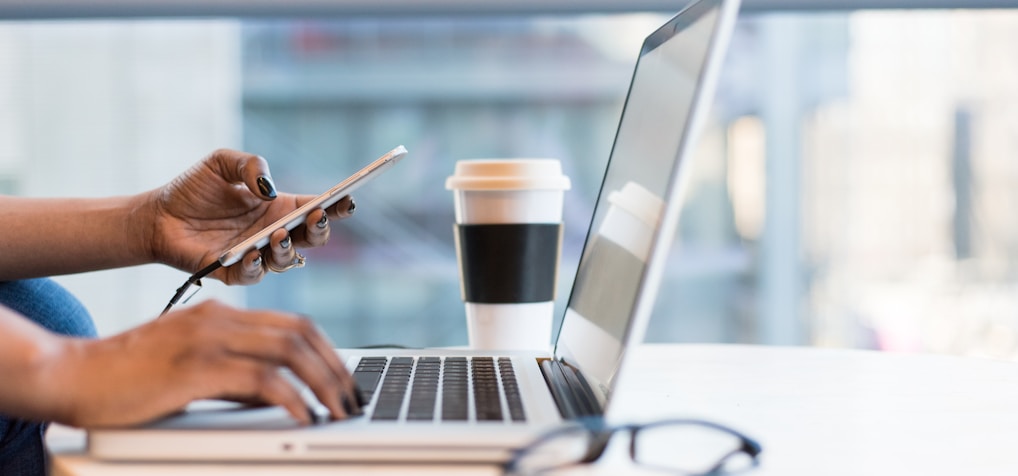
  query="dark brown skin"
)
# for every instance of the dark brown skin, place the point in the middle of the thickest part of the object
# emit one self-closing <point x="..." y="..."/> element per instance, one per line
<point x="205" y="351"/>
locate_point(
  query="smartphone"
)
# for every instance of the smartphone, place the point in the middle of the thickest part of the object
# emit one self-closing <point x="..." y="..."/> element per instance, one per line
<point x="297" y="217"/>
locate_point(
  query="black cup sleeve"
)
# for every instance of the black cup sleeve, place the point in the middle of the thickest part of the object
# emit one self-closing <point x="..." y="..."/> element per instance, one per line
<point x="508" y="263"/>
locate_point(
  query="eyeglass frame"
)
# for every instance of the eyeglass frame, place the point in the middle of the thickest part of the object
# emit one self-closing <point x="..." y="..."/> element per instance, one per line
<point x="602" y="433"/>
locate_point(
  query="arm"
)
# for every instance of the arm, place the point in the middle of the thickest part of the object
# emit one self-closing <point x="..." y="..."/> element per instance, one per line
<point x="45" y="237"/>
<point x="26" y="353"/>
<point x="206" y="351"/>
<point x="186" y="224"/>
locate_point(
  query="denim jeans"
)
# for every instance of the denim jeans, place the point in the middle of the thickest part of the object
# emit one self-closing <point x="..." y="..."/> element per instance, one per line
<point x="22" y="448"/>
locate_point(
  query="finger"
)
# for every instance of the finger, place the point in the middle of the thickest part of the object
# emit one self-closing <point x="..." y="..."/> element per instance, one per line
<point x="249" y="270"/>
<point x="288" y="346"/>
<point x="318" y="341"/>
<point x="242" y="167"/>
<point x="343" y="208"/>
<point x="324" y="347"/>
<point x="316" y="228"/>
<point x="282" y="251"/>
<point x="247" y="401"/>
<point x="242" y="378"/>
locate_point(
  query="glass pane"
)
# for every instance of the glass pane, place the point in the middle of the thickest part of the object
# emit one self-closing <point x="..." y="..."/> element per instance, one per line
<point x="116" y="107"/>
<point x="855" y="187"/>
<point x="323" y="97"/>
<point x="824" y="209"/>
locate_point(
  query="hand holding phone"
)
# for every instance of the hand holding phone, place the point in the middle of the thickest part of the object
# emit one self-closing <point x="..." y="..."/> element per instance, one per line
<point x="289" y="222"/>
<point x="297" y="217"/>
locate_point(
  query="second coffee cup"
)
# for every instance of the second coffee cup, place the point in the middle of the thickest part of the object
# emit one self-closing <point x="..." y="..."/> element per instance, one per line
<point x="508" y="243"/>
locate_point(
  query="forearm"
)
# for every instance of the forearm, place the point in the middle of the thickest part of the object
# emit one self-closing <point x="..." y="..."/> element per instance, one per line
<point x="28" y="355"/>
<point x="53" y="236"/>
<point x="49" y="377"/>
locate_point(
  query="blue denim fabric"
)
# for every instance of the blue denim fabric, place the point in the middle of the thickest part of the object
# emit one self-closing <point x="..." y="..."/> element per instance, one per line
<point x="22" y="448"/>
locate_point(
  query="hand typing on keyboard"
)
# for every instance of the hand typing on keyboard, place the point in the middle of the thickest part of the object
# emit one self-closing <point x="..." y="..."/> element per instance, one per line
<point x="318" y="412"/>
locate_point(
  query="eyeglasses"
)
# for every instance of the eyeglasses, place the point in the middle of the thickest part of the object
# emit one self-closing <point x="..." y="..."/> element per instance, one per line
<point x="681" y="446"/>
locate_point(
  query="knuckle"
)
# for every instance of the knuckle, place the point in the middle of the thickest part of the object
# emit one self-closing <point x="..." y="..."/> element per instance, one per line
<point x="204" y="307"/>
<point x="305" y="325"/>
<point x="331" y="385"/>
<point x="221" y="154"/>
<point x="315" y="234"/>
<point x="249" y="274"/>
<point x="264" y="380"/>
<point x="254" y="277"/>
<point x="211" y="306"/>
<point x="293" y="344"/>
<point x="320" y="239"/>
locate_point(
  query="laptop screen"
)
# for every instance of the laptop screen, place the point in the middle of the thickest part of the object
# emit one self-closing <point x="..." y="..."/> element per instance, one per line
<point x="613" y="290"/>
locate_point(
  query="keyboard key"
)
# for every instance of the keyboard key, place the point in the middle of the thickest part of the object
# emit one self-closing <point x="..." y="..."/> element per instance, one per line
<point x="423" y="380"/>
<point x="487" y="400"/>
<point x="394" y="386"/>
<point x="367" y="374"/>
<point x="512" y="389"/>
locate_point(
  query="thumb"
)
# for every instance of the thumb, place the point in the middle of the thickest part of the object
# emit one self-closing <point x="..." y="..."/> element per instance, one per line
<point x="235" y="167"/>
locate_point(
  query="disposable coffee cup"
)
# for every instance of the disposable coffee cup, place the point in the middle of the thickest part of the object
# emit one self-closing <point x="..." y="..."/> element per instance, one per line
<point x="508" y="242"/>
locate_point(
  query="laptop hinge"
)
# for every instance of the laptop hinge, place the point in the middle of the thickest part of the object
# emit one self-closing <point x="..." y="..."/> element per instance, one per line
<point x="570" y="390"/>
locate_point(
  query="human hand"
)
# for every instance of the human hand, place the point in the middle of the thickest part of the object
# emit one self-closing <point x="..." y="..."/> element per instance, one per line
<point x="205" y="351"/>
<point x="223" y="199"/>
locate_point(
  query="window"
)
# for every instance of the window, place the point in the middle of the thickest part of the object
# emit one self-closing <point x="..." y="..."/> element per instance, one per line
<point x="855" y="186"/>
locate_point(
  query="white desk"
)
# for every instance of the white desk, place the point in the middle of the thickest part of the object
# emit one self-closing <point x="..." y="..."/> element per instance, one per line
<point x="815" y="411"/>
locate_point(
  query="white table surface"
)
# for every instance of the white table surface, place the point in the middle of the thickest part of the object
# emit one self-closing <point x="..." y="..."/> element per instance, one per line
<point x="815" y="411"/>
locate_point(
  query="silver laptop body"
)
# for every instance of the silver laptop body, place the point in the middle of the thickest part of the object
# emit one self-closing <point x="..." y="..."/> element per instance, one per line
<point x="632" y="229"/>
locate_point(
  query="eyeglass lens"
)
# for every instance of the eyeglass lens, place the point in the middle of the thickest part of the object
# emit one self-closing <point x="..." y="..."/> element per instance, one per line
<point x="675" y="447"/>
<point x="689" y="449"/>
<point x="561" y="448"/>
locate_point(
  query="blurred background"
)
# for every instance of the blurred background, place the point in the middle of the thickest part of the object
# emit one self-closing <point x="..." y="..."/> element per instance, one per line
<point x="856" y="186"/>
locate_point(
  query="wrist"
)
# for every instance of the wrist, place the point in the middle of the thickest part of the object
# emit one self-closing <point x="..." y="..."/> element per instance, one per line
<point x="55" y="379"/>
<point x="79" y="380"/>
<point x="141" y="218"/>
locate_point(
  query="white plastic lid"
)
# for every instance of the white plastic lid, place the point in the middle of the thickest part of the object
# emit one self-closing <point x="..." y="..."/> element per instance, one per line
<point x="508" y="174"/>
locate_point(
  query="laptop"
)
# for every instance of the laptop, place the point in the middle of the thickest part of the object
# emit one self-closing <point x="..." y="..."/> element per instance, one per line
<point x="468" y="406"/>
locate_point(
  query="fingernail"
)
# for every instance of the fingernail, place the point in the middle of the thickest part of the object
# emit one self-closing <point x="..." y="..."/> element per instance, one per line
<point x="323" y="222"/>
<point x="353" y="206"/>
<point x="266" y="186"/>
<point x="257" y="262"/>
<point x="351" y="408"/>
<point x="285" y="243"/>
<point x="360" y="395"/>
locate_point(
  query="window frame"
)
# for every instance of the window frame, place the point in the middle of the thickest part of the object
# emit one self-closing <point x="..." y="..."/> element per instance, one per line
<point x="53" y="9"/>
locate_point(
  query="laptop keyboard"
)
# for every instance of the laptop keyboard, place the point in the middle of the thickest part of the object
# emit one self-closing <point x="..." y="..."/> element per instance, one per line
<point x="445" y="389"/>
